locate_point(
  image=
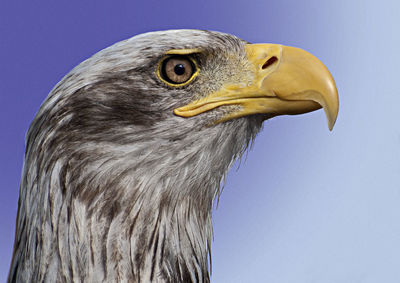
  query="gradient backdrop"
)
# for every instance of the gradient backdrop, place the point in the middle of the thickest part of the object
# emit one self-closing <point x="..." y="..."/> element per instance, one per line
<point x="307" y="205"/>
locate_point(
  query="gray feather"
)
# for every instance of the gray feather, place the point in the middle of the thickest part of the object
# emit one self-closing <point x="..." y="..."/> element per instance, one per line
<point x="115" y="188"/>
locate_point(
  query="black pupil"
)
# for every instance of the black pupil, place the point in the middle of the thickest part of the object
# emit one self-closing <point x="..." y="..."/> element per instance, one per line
<point x="179" y="69"/>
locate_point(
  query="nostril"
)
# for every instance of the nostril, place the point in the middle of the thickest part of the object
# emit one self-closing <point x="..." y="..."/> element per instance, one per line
<point x="269" y="62"/>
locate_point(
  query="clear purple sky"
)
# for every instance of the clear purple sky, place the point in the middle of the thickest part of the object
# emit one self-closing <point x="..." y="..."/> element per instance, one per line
<point x="307" y="205"/>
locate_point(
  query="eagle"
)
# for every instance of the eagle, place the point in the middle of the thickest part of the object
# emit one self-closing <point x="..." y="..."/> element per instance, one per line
<point x="128" y="153"/>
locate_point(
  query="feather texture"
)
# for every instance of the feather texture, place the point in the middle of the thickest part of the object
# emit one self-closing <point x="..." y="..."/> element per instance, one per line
<point x="116" y="188"/>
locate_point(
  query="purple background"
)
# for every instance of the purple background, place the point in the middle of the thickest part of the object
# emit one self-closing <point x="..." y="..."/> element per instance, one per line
<point x="307" y="205"/>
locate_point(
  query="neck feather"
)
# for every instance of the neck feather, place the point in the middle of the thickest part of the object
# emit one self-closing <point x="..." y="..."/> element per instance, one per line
<point x="140" y="213"/>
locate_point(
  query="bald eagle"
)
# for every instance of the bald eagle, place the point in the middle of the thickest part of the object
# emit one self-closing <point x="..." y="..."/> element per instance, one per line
<point x="126" y="155"/>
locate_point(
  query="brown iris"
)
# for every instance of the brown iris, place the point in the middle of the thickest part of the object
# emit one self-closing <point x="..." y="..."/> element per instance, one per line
<point x="177" y="69"/>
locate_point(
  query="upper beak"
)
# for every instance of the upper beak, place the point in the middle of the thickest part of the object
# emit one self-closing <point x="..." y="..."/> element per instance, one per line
<point x="286" y="80"/>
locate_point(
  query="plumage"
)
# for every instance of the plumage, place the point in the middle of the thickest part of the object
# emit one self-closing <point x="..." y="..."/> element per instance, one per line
<point x="115" y="186"/>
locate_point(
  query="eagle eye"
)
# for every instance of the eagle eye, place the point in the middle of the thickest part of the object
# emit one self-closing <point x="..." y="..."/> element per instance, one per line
<point x="177" y="70"/>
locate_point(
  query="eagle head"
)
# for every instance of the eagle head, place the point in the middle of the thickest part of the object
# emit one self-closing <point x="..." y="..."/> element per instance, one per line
<point x="126" y="155"/>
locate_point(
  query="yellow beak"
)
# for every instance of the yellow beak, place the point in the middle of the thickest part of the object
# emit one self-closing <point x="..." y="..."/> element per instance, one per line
<point x="286" y="80"/>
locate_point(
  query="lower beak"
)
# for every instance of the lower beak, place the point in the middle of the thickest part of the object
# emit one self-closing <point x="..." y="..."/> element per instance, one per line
<point x="287" y="80"/>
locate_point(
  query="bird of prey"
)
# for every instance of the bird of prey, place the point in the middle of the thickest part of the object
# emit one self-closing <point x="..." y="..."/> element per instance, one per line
<point x="126" y="155"/>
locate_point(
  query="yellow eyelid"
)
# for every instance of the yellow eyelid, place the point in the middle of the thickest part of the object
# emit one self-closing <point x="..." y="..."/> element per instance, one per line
<point x="169" y="56"/>
<point x="183" y="51"/>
